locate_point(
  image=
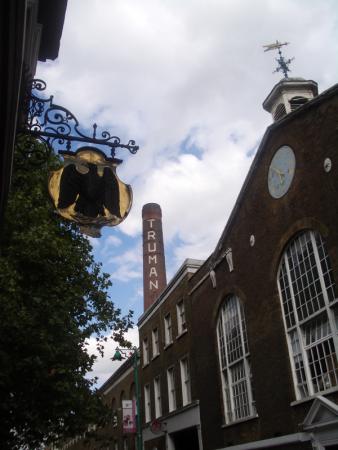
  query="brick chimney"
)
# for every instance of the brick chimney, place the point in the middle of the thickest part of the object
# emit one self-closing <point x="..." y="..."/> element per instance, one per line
<point x="154" y="275"/>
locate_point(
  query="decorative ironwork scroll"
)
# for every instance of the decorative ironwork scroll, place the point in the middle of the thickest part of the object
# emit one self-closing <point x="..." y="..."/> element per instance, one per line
<point x="86" y="189"/>
<point x="56" y="127"/>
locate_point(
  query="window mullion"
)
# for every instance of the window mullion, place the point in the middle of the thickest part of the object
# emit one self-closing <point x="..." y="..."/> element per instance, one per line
<point x="299" y="332"/>
<point x="246" y="364"/>
<point x="330" y="313"/>
<point x="238" y="310"/>
<point x="221" y="321"/>
<point x="319" y="267"/>
<point x="228" y="371"/>
<point x="288" y="337"/>
<point x="248" y="384"/>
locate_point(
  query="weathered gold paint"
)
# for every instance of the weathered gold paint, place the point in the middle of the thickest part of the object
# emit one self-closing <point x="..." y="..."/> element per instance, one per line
<point x="90" y="225"/>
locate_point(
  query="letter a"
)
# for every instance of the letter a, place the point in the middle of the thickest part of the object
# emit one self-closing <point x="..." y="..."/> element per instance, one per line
<point x="153" y="271"/>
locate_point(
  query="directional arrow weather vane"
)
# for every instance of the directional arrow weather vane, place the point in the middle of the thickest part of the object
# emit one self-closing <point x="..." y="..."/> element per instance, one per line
<point x="283" y="65"/>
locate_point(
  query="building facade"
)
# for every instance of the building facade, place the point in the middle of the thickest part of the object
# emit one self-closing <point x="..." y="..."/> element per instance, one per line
<point x="239" y="352"/>
<point x="171" y="413"/>
<point x="265" y="304"/>
<point x="119" y="387"/>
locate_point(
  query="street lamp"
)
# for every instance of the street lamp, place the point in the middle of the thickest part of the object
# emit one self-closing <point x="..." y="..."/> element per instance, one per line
<point x="125" y="353"/>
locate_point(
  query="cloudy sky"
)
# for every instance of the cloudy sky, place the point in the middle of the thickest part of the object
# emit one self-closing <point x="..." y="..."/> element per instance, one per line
<point x="186" y="79"/>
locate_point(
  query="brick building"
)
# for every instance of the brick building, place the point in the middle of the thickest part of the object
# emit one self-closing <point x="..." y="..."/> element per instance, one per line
<point x="240" y="352"/>
<point x="166" y="342"/>
<point x="120" y="386"/>
<point x="265" y="303"/>
<point x="262" y="311"/>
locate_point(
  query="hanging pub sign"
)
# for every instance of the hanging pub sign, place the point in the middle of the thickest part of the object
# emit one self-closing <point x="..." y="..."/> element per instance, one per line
<point x="88" y="191"/>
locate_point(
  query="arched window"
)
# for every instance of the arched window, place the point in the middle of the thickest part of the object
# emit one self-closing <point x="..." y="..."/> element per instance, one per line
<point x="310" y="309"/>
<point x="234" y="361"/>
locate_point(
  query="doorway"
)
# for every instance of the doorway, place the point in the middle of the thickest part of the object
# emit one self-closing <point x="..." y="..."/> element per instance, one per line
<point x="187" y="439"/>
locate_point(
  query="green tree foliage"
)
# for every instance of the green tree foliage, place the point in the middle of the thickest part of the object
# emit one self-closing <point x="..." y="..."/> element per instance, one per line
<point x="53" y="297"/>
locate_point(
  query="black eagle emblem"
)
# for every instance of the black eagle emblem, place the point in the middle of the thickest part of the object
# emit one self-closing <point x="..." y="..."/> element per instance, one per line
<point x="90" y="189"/>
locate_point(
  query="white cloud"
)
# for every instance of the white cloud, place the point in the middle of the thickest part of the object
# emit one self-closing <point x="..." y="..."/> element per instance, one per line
<point x="112" y="240"/>
<point x="94" y="242"/>
<point x="104" y="366"/>
<point x="127" y="265"/>
<point x="184" y="72"/>
<point x="109" y="245"/>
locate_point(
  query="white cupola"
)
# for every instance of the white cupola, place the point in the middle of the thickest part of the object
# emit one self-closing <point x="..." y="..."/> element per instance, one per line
<point x="288" y="95"/>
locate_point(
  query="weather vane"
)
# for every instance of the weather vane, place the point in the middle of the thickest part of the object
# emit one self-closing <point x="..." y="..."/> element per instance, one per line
<point x="283" y="64"/>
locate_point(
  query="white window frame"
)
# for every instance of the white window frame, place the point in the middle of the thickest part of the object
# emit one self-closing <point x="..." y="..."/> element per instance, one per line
<point x="147" y="404"/>
<point x="157" y="396"/>
<point x="181" y="319"/>
<point x="145" y="347"/>
<point x="185" y="381"/>
<point x="168" y="331"/>
<point x="310" y="312"/>
<point x="155" y="342"/>
<point x="171" y="389"/>
<point x="234" y="362"/>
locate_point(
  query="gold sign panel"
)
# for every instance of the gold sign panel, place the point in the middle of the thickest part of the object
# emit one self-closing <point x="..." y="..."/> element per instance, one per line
<point x="87" y="190"/>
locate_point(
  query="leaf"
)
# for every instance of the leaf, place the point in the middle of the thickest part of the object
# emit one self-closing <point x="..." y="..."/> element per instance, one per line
<point x="53" y="296"/>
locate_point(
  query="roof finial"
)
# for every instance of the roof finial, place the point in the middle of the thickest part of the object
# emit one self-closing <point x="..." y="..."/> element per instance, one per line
<point x="283" y="65"/>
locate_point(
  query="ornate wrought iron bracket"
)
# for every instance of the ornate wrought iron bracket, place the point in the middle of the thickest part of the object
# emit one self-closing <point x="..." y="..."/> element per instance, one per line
<point x="56" y="127"/>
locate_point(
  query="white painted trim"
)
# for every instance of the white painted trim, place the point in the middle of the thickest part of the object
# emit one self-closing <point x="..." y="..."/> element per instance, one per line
<point x="227" y="371"/>
<point x="189" y="266"/>
<point x="312" y="397"/>
<point x="178" y="420"/>
<point x="299" y="324"/>
<point x="171" y="389"/>
<point x="147" y="403"/>
<point x="273" y="442"/>
<point x="157" y="396"/>
<point x="214" y="266"/>
<point x="320" y="402"/>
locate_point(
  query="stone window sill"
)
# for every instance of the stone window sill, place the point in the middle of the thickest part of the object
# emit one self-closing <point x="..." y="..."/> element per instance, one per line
<point x="182" y="333"/>
<point x="168" y="345"/>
